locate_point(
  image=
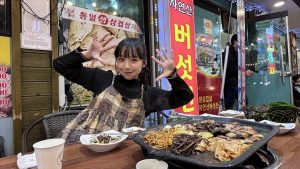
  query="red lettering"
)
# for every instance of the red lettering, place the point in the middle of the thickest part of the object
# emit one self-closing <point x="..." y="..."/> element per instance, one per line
<point x="120" y="24"/>
<point x="3" y="85"/>
<point x="113" y="22"/>
<point x="4" y="102"/>
<point x="3" y="75"/>
<point x="3" y="68"/>
<point x="127" y="25"/>
<point x="83" y="15"/>
<point x="103" y="19"/>
<point x="3" y="92"/>
<point x="93" y="17"/>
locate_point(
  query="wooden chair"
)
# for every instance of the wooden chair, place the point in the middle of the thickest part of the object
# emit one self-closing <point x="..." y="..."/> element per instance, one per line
<point x="53" y="124"/>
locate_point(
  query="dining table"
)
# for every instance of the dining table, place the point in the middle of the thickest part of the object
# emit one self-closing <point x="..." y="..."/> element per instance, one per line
<point x="77" y="156"/>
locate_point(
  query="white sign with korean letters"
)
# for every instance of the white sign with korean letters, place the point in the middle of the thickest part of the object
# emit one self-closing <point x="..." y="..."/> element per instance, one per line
<point x="98" y="18"/>
<point x="35" y="31"/>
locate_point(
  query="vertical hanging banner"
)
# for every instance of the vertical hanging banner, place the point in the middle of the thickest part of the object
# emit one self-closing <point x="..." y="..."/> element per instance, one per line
<point x="241" y="53"/>
<point x="182" y="34"/>
<point x="5" y="78"/>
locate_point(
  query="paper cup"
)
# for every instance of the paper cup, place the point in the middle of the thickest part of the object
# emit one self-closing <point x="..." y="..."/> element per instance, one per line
<point x="49" y="153"/>
<point x="151" y="164"/>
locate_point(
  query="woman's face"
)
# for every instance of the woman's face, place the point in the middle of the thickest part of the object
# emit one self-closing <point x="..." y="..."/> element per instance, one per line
<point x="129" y="67"/>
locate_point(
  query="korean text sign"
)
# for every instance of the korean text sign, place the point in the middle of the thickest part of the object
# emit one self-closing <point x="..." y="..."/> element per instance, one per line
<point x="98" y="18"/>
<point x="183" y="45"/>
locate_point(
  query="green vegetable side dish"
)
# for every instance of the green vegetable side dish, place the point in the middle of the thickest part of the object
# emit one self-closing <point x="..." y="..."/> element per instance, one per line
<point x="282" y="112"/>
<point x="279" y="112"/>
<point x="282" y="106"/>
<point x="104" y="139"/>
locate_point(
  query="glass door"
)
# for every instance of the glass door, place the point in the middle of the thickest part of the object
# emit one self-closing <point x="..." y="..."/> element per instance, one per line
<point x="268" y="56"/>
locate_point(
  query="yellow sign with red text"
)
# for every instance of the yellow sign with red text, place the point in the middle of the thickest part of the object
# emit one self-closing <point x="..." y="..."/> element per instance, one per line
<point x="183" y="46"/>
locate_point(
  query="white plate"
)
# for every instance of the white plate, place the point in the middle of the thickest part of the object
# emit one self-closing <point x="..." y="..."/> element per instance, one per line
<point x="132" y="130"/>
<point x="98" y="147"/>
<point x="284" y="127"/>
<point x="232" y="113"/>
<point x="211" y="115"/>
<point x="151" y="164"/>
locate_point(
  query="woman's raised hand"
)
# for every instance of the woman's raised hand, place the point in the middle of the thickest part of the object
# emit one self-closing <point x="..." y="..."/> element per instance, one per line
<point x="98" y="47"/>
<point x="166" y="62"/>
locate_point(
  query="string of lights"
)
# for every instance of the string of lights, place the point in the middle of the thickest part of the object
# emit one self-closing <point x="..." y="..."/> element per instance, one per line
<point x="249" y="7"/>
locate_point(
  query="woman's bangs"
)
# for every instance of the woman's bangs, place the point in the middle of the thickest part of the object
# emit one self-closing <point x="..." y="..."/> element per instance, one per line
<point x="129" y="51"/>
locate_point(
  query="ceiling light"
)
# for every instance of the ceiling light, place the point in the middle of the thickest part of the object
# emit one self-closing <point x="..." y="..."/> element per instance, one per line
<point x="114" y="13"/>
<point x="278" y="4"/>
<point x="94" y="4"/>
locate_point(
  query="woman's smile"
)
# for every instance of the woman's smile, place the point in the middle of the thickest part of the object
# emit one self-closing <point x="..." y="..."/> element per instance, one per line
<point x="130" y="68"/>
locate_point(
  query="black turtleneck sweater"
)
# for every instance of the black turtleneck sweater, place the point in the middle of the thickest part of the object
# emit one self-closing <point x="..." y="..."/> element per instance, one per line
<point x="97" y="80"/>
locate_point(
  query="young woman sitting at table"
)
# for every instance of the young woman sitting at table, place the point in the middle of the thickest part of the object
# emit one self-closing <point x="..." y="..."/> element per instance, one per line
<point x="124" y="99"/>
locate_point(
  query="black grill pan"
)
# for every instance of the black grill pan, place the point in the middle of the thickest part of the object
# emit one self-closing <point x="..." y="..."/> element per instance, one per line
<point x="207" y="159"/>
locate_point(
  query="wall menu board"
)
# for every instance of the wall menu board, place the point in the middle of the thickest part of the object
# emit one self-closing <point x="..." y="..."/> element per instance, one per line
<point x="293" y="46"/>
<point x="5" y="78"/>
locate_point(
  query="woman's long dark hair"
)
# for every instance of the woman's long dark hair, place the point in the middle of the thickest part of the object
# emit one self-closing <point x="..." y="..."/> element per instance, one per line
<point x="135" y="48"/>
